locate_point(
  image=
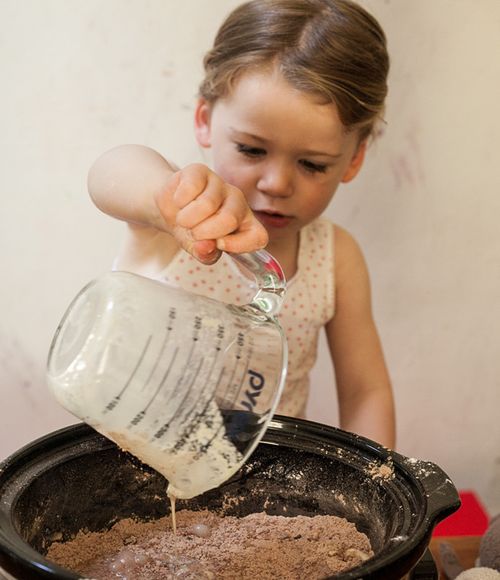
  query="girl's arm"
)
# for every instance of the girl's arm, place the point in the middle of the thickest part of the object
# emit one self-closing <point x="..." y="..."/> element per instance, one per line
<point x="366" y="404"/>
<point x="191" y="207"/>
<point x="125" y="182"/>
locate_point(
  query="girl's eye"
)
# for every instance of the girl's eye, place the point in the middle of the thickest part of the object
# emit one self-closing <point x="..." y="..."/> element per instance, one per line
<point x="250" y="151"/>
<point x="313" y="167"/>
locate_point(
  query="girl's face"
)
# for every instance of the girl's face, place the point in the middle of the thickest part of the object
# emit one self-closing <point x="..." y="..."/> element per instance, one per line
<point x="283" y="148"/>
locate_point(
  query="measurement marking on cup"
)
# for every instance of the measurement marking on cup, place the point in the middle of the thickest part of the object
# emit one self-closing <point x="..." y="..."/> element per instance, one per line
<point x="204" y="448"/>
<point x="201" y="416"/>
<point x="207" y="384"/>
<point x="171" y="315"/>
<point x="240" y="341"/>
<point x="235" y="389"/>
<point x="164" y="428"/>
<point x="218" y="347"/>
<point x="180" y="443"/>
<point x="213" y="396"/>
<point x="230" y="381"/>
<point x="140" y="416"/>
<point x="243" y="376"/>
<point x="256" y="381"/>
<point x="114" y="402"/>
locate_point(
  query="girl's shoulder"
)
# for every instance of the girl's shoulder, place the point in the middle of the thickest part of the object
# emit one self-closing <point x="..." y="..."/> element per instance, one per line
<point x="336" y="242"/>
<point x="350" y="265"/>
<point x="344" y="240"/>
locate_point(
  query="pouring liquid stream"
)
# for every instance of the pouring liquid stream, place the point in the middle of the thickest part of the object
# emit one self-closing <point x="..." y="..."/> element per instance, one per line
<point x="172" y="511"/>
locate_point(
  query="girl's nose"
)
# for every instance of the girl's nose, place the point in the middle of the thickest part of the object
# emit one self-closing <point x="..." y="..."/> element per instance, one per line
<point x="276" y="179"/>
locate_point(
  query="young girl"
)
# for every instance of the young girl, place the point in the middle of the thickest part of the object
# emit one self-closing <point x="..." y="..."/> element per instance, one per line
<point x="292" y="92"/>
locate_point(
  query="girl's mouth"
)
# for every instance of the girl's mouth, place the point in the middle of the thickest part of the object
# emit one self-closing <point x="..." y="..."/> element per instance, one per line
<point x="272" y="220"/>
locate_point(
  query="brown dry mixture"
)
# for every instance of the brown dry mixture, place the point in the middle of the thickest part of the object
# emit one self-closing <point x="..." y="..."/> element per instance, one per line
<point x="208" y="547"/>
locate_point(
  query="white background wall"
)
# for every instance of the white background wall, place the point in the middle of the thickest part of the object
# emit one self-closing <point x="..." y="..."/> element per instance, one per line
<point x="80" y="77"/>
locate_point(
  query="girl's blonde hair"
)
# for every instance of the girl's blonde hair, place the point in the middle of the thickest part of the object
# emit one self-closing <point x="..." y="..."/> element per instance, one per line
<point x="331" y="48"/>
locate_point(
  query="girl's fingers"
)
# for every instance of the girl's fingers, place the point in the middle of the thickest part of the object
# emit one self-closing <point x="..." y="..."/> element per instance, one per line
<point x="206" y="205"/>
<point x="226" y="220"/>
<point x="251" y="236"/>
<point x="193" y="180"/>
<point x="190" y="196"/>
<point x="206" y="251"/>
<point x="209" y="215"/>
<point x="202" y="197"/>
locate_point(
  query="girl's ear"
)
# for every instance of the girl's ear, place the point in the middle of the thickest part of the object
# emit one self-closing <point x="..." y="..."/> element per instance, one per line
<point x="356" y="163"/>
<point x="202" y="123"/>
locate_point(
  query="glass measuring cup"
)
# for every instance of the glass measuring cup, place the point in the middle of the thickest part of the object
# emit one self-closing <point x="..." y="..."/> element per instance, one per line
<point x="184" y="382"/>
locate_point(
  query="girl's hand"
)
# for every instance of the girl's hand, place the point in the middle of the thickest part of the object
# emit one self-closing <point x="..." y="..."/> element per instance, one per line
<point x="207" y="215"/>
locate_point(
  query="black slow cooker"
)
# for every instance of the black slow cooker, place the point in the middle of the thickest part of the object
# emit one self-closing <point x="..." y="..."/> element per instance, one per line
<point x="74" y="478"/>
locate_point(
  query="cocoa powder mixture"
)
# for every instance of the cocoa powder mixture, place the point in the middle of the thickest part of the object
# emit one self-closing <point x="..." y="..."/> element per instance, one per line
<point x="209" y="547"/>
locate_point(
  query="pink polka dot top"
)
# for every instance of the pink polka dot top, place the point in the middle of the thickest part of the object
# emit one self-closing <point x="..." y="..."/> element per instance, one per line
<point x="309" y="303"/>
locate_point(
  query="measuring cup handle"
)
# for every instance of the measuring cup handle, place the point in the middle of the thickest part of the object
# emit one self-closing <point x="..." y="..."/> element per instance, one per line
<point x="269" y="277"/>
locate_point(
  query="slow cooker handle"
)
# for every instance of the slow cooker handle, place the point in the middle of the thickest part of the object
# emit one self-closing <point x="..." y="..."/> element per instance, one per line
<point x="442" y="496"/>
